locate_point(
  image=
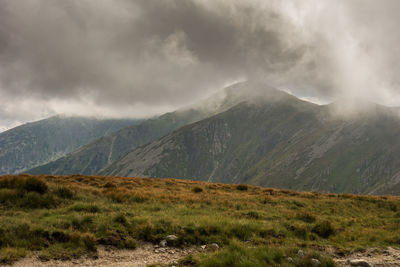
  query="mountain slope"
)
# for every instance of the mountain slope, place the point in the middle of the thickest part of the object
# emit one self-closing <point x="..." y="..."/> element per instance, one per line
<point x="95" y="156"/>
<point x="91" y="158"/>
<point x="280" y="141"/>
<point x="39" y="142"/>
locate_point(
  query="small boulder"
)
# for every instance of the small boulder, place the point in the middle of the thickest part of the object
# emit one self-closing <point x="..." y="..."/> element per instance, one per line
<point x="163" y="243"/>
<point x="315" y="262"/>
<point x="300" y="253"/>
<point x="360" y="263"/>
<point x="214" y="246"/>
<point x="290" y="259"/>
<point x="171" y="238"/>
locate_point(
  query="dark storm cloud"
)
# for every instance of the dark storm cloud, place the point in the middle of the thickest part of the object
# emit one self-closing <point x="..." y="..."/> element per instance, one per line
<point x="142" y="51"/>
<point x="138" y="58"/>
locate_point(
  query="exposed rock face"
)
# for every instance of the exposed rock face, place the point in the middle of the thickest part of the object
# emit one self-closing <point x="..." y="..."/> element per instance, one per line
<point x="256" y="135"/>
<point x="285" y="143"/>
<point x="92" y="158"/>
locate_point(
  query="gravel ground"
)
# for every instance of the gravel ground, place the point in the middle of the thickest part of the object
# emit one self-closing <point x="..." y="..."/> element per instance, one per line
<point x="374" y="257"/>
<point x="140" y="257"/>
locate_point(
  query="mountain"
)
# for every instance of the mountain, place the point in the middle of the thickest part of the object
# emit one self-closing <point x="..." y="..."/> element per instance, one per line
<point x="92" y="158"/>
<point x="39" y="142"/>
<point x="275" y="139"/>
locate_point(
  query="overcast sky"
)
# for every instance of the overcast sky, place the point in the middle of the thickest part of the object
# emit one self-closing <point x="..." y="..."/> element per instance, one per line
<point x="138" y="58"/>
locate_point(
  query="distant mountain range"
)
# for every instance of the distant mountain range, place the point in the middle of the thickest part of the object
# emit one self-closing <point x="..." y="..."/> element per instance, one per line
<point x="40" y="142"/>
<point x="258" y="135"/>
<point x="93" y="157"/>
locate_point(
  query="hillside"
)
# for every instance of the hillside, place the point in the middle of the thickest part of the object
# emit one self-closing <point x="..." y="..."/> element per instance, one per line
<point x="93" y="157"/>
<point x="67" y="217"/>
<point x="278" y="140"/>
<point x="40" y="142"/>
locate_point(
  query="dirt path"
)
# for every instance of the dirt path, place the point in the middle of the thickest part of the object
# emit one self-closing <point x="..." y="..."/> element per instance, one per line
<point x="374" y="257"/>
<point x="140" y="257"/>
<point x="147" y="254"/>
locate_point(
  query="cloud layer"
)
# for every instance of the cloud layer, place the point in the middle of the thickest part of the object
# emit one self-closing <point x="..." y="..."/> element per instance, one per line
<point x="134" y="58"/>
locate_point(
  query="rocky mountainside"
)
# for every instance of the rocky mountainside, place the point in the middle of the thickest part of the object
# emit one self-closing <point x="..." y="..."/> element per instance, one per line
<point x="92" y="158"/>
<point x="278" y="140"/>
<point x="40" y="142"/>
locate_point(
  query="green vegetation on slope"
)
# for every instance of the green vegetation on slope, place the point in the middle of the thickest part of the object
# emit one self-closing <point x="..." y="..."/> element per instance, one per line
<point x="65" y="217"/>
<point x="90" y="159"/>
<point x="284" y="142"/>
<point x="40" y="142"/>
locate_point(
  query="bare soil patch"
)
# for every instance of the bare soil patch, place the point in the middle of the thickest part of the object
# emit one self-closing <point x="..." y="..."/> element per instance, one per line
<point x="144" y="255"/>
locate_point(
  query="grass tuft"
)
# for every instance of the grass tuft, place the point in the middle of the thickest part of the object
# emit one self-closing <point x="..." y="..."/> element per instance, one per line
<point x="242" y="187"/>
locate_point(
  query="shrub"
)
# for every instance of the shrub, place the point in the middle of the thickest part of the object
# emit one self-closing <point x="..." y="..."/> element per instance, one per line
<point x="144" y="231"/>
<point x="89" y="240"/>
<point x="307" y="260"/>
<point x="323" y="229"/>
<point x="12" y="183"/>
<point x="109" y="185"/>
<point x="30" y="184"/>
<point x="120" y="218"/>
<point x="64" y="192"/>
<point x="85" y="208"/>
<point x="9" y="255"/>
<point x="197" y="189"/>
<point x="82" y="225"/>
<point x="252" y="215"/>
<point x="188" y="261"/>
<point x="242" y="187"/>
<point x="33" y="184"/>
<point x="242" y="231"/>
<point x="301" y="232"/>
<point x="125" y="197"/>
<point x="306" y="217"/>
<point x="236" y="254"/>
<point x="9" y="196"/>
<point x="130" y="243"/>
<point x="33" y="200"/>
<point x="60" y="237"/>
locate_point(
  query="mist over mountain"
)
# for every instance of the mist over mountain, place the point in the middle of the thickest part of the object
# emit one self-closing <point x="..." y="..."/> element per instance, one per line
<point x="92" y="158"/>
<point x="145" y="58"/>
<point x="157" y="59"/>
<point x="37" y="143"/>
<point x="274" y="139"/>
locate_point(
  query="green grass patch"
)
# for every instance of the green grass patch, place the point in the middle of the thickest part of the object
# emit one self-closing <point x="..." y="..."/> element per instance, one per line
<point x="64" y="217"/>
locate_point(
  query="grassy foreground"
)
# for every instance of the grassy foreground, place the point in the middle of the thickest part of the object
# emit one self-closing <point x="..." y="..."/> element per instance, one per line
<point x="63" y="217"/>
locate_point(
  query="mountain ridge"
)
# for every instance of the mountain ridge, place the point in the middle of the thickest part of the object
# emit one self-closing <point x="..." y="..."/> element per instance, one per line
<point x="39" y="142"/>
<point x="286" y="143"/>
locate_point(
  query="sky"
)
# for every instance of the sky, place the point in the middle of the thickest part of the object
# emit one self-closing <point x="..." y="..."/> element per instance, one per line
<point x="135" y="58"/>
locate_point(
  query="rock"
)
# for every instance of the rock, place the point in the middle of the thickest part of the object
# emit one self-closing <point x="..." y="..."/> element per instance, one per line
<point x="215" y="246"/>
<point x="315" y="262"/>
<point x="360" y="263"/>
<point x="163" y="243"/>
<point x="300" y="253"/>
<point x="171" y="238"/>
<point x="290" y="259"/>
